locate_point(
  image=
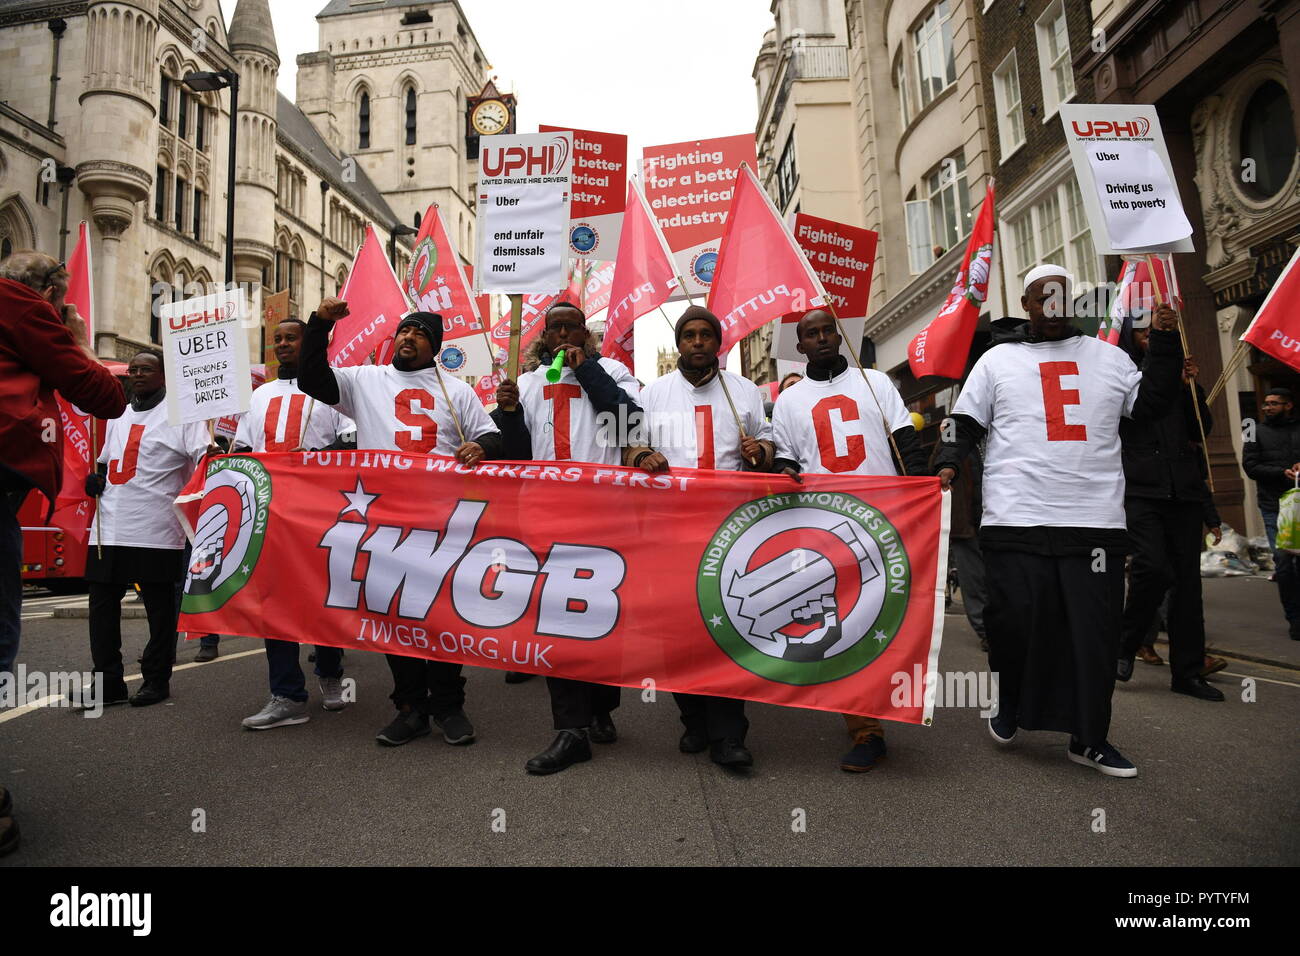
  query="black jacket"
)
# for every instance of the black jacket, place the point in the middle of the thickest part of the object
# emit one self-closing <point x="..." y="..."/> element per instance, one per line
<point x="1266" y="459"/>
<point x="1163" y="457"/>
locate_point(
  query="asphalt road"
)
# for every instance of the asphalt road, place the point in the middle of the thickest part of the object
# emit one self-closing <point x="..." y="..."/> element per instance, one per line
<point x="1217" y="782"/>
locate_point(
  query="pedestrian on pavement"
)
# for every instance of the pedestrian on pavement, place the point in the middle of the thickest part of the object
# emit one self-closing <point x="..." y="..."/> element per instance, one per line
<point x="808" y="437"/>
<point x="1272" y="459"/>
<point x="1164" y="496"/>
<point x="142" y="467"/>
<point x="408" y="405"/>
<point x="1053" y="534"/>
<point x="532" y="415"/>
<point x="691" y="423"/>
<point x="963" y="540"/>
<point x="282" y="417"/>
<point x="43" y="348"/>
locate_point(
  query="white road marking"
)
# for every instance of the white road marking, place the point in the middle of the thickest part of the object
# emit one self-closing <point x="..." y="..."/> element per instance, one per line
<point x="55" y="698"/>
<point x="1267" y="680"/>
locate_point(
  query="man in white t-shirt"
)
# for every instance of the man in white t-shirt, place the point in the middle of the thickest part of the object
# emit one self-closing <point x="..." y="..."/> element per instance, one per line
<point x="282" y="417"/>
<point x="689" y="413"/>
<point x="408" y="406"/>
<point x="143" y="465"/>
<point x="833" y="422"/>
<point x="590" y="415"/>
<point x="1053" y="533"/>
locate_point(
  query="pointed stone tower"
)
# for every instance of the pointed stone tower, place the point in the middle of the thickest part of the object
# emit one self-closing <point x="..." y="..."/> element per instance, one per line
<point x="252" y="42"/>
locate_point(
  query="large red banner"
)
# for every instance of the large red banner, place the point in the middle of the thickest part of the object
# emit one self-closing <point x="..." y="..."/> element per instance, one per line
<point x="599" y="184"/>
<point x="750" y="586"/>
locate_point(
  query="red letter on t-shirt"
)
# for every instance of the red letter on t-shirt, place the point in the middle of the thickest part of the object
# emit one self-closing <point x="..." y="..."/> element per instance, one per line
<point x="559" y="396"/>
<point x="292" y="428"/>
<point x="704" y="436"/>
<point x="1056" y="398"/>
<point x="404" y="406"/>
<point x="855" y="447"/>
<point x="123" y="469"/>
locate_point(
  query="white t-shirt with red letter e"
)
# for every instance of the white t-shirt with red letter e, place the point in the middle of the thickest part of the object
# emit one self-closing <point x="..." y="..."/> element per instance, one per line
<point x="1052" y="411"/>
<point x="406" y="411"/>
<point x="835" y="427"/>
<point x="561" y="422"/>
<point x="694" y="428"/>
<point x="149" y="462"/>
<point x="276" y="415"/>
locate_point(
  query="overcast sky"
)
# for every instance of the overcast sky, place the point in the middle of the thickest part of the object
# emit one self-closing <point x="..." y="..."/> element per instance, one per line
<point x="661" y="72"/>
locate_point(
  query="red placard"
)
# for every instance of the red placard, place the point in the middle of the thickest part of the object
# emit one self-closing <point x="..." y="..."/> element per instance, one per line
<point x="843" y="257"/>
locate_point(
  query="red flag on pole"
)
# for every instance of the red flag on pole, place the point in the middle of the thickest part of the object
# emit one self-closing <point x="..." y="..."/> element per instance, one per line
<point x="436" y="282"/>
<point x="644" y="276"/>
<point x="762" y="274"/>
<point x="942" y="347"/>
<point x="72" y="510"/>
<point x="600" y="282"/>
<point x="1275" y="329"/>
<point x="375" y="301"/>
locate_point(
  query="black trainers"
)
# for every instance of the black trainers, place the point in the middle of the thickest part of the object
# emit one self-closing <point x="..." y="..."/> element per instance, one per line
<point x="863" y="756"/>
<point x="1124" y="668"/>
<point x="456" y="728"/>
<point x="1105" y="759"/>
<point x="1002" y="730"/>
<point x="406" y="726"/>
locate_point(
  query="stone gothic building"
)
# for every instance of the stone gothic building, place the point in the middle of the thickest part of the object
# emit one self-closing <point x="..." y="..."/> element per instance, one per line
<point x="96" y="124"/>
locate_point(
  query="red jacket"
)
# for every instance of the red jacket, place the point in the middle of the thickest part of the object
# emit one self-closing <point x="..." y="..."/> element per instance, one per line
<point x="37" y="356"/>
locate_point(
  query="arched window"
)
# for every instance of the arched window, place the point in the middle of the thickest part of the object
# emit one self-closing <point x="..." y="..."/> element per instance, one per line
<point x="410" y="116"/>
<point x="1268" y="139"/>
<point x="6" y="248"/>
<point x="364" y="122"/>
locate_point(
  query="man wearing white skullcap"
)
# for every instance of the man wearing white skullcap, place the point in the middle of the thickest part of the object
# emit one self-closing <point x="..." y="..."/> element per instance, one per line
<point x="1050" y="400"/>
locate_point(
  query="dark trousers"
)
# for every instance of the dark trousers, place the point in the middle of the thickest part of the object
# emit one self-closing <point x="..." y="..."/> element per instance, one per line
<point x="1286" y="569"/>
<point x="106" y="634"/>
<point x="286" y="675"/>
<point x="575" y="703"/>
<point x="434" y="688"/>
<point x="11" y="581"/>
<point x="1166" y="539"/>
<point x="1053" y="630"/>
<point x="717" y="718"/>
<point x="965" y="556"/>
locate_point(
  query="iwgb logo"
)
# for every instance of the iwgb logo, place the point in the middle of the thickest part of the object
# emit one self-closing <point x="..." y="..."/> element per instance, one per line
<point x="804" y="588"/>
<point x="544" y="160"/>
<point x="229" y="534"/>
<point x="1136" y="128"/>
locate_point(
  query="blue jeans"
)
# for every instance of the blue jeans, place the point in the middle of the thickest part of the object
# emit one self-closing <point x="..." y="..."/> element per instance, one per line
<point x="11" y="583"/>
<point x="1288" y="573"/>
<point x="286" y="676"/>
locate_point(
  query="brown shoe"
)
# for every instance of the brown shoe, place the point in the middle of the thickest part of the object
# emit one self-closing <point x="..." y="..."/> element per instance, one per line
<point x="1147" y="655"/>
<point x="1213" y="665"/>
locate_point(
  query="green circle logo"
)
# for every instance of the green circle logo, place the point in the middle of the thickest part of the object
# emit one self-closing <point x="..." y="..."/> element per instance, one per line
<point x="423" y="264"/>
<point x="229" y="534"/>
<point x="804" y="588"/>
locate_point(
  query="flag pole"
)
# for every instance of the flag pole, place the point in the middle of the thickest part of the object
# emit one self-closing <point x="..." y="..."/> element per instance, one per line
<point x="1191" y="382"/>
<point x="450" y="407"/>
<point x="516" y="331"/>
<point x="311" y="407"/>
<point x="1230" y="368"/>
<point x="99" y="525"/>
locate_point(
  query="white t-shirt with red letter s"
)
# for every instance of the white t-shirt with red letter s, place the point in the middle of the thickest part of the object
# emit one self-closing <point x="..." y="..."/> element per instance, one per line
<point x="407" y="411"/>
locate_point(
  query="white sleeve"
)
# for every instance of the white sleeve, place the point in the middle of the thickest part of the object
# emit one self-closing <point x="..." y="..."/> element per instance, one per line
<point x="1132" y="383"/>
<point x="891" y="402"/>
<point x="976" y="398"/>
<point x="348" y="384"/>
<point x="474" y="418"/>
<point x="624" y="379"/>
<point x="783" y="432"/>
<point x="340" y="423"/>
<point x="108" y="441"/>
<point x="751" y="408"/>
<point x="244" y="433"/>
<point x="195" y="438"/>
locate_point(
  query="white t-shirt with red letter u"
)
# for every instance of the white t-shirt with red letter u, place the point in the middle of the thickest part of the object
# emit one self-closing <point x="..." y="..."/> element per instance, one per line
<point x="1052" y="411"/>
<point x="276" y="416"/>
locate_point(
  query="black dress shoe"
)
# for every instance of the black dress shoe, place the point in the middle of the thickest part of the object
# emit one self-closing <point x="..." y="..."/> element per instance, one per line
<point x="148" y="694"/>
<point x="1197" y="687"/>
<point x="1124" y="668"/>
<point x="693" y="743"/>
<point x="602" y="730"/>
<point x="518" y="677"/>
<point x="730" y="753"/>
<point x="567" y="749"/>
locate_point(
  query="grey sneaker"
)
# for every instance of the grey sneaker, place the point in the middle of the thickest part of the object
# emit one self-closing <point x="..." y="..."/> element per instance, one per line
<point x="278" y="712"/>
<point x="331" y="692"/>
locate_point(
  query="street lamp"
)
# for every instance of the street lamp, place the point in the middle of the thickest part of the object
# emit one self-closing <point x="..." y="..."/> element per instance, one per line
<point x="401" y="229"/>
<point x="204" y="82"/>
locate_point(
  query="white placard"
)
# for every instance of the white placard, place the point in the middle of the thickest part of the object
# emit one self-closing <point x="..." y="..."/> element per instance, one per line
<point x="205" y="353"/>
<point x="524" y="190"/>
<point x="785" y="340"/>
<point x="1126" y="179"/>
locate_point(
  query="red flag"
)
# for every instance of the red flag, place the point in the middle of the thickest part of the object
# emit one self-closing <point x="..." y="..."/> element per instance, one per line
<point x="941" y="348"/>
<point x="825" y="603"/>
<point x="599" y="283"/>
<point x="72" y="510"/>
<point x="576" y="292"/>
<point x="534" y="314"/>
<point x="375" y="303"/>
<point x="436" y="282"/>
<point x="644" y="276"/>
<point x="762" y="274"/>
<point x="1275" y="329"/>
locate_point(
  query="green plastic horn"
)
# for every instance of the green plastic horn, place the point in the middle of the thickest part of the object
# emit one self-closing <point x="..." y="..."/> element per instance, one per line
<point x="557" y="368"/>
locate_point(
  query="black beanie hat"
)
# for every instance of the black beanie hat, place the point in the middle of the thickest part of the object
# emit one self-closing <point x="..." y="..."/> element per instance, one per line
<point x="430" y="323"/>
<point x="697" y="312"/>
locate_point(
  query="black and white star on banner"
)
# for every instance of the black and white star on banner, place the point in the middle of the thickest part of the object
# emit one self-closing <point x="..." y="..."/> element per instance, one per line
<point x="359" y="500"/>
